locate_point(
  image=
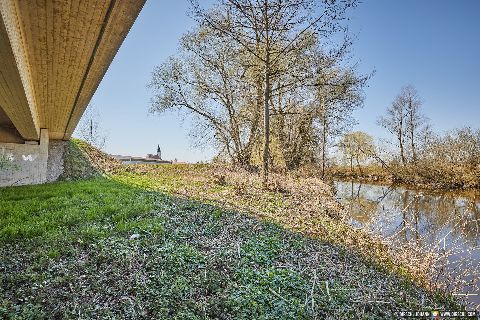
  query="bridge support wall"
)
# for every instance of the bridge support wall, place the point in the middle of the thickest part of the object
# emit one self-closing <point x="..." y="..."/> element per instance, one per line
<point x="27" y="163"/>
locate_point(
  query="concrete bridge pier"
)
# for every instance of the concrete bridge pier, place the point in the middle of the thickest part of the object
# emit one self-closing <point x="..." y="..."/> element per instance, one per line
<point x="27" y="163"/>
<point x="53" y="55"/>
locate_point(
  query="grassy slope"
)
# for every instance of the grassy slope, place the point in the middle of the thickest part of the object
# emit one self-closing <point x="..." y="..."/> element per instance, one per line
<point x="67" y="251"/>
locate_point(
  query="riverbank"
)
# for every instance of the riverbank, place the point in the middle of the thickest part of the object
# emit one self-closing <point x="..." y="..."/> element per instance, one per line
<point x="443" y="222"/>
<point x="411" y="177"/>
<point x="297" y="202"/>
<point x="191" y="242"/>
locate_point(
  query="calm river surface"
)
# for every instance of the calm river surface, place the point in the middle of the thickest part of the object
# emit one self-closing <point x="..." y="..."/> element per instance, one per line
<point x="442" y="221"/>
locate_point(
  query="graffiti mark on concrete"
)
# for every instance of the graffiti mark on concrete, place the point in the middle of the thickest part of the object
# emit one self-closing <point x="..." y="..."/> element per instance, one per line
<point x="29" y="157"/>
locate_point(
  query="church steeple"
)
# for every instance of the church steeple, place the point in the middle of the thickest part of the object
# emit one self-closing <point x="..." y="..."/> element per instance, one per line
<point x="159" y="152"/>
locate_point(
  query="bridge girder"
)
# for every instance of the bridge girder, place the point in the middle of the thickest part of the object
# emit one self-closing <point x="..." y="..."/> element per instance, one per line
<point x="53" y="55"/>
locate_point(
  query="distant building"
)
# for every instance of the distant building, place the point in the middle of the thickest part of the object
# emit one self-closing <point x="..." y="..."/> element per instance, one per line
<point x="157" y="156"/>
<point x="149" y="159"/>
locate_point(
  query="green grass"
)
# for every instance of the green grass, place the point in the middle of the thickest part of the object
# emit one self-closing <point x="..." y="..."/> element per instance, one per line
<point x="67" y="252"/>
<point x="69" y="208"/>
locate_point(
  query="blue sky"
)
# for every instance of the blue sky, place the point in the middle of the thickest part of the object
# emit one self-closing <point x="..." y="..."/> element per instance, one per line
<point x="433" y="45"/>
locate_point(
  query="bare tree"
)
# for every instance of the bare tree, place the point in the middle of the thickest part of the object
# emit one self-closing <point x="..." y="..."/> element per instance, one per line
<point x="357" y="145"/>
<point x="310" y="114"/>
<point x="405" y="120"/>
<point x="416" y="121"/>
<point x="395" y="122"/>
<point x="339" y="92"/>
<point x="272" y="31"/>
<point x="90" y="128"/>
<point x="451" y="159"/>
<point x="211" y="78"/>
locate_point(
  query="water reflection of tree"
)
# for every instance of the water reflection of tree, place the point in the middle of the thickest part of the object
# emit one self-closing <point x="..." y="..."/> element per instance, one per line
<point x="362" y="209"/>
<point x="458" y="216"/>
<point x="467" y="223"/>
<point x="423" y="219"/>
<point x="412" y="214"/>
<point x="428" y="218"/>
<point x="472" y="217"/>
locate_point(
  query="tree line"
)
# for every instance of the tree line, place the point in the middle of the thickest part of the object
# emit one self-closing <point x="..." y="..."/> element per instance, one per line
<point x="418" y="154"/>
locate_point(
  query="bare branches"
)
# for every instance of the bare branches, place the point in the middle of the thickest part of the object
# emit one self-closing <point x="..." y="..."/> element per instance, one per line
<point x="90" y="128"/>
<point x="280" y="37"/>
<point x="249" y="59"/>
<point x="405" y="121"/>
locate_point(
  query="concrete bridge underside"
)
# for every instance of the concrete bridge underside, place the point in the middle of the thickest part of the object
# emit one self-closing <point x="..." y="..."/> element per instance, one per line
<point x="53" y="55"/>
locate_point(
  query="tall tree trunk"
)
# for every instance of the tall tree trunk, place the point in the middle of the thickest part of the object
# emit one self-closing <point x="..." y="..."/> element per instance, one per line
<point x="324" y="151"/>
<point x="401" y="134"/>
<point x="324" y="139"/>
<point x="412" y="136"/>
<point x="266" y="146"/>
<point x="358" y="164"/>
<point x="402" y="151"/>
<point x="414" y="152"/>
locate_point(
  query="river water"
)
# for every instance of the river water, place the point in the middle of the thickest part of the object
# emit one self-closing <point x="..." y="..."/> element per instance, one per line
<point x="447" y="223"/>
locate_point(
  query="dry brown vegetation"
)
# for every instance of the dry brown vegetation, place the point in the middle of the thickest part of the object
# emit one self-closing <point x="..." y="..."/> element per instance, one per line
<point x="449" y="161"/>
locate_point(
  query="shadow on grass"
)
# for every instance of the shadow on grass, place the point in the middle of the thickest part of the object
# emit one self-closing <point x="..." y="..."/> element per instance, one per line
<point x="101" y="248"/>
